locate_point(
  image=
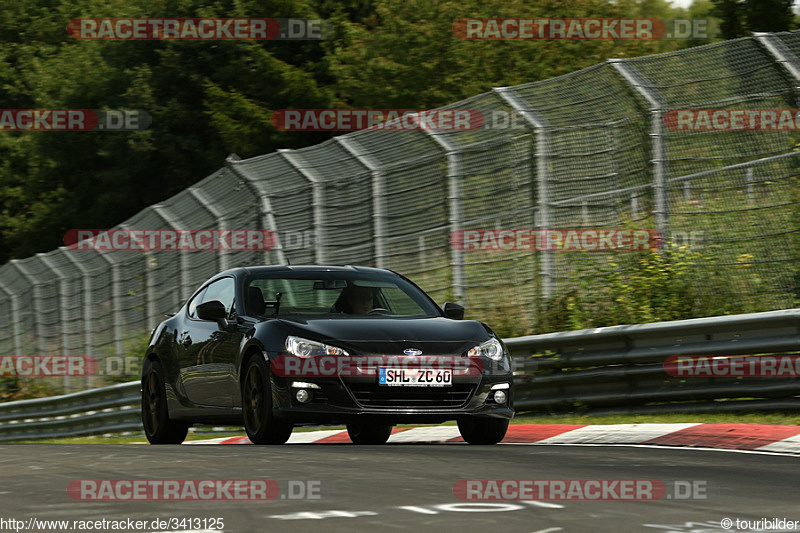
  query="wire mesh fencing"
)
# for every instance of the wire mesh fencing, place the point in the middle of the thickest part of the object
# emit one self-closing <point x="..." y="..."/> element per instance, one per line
<point x="596" y="149"/>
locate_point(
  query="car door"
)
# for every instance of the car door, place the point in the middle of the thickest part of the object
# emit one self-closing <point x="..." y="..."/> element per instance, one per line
<point x="208" y="351"/>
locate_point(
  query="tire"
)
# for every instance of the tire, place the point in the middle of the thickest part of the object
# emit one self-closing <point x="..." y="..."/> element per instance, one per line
<point x="481" y="430"/>
<point x="369" y="433"/>
<point x="260" y="423"/>
<point x="158" y="428"/>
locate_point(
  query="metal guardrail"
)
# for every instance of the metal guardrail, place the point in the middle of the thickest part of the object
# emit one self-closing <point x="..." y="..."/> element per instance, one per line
<point x="620" y="369"/>
<point x="612" y="370"/>
<point x="92" y="412"/>
<point x="590" y="149"/>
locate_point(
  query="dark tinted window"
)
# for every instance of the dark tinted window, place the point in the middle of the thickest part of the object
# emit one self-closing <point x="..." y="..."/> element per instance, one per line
<point x="340" y="293"/>
<point x="222" y="290"/>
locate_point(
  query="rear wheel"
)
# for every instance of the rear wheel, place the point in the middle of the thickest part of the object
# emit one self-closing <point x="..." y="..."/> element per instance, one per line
<point x="261" y="425"/>
<point x="368" y="433"/>
<point x="479" y="430"/>
<point x="158" y="428"/>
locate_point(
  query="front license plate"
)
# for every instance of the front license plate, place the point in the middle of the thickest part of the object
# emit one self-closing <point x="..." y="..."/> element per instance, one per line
<point x="415" y="377"/>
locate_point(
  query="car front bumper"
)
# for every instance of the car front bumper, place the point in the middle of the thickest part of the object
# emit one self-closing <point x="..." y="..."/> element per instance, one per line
<point x="344" y="400"/>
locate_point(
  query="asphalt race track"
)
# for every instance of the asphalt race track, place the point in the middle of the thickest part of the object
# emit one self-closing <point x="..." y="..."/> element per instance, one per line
<point x="408" y="486"/>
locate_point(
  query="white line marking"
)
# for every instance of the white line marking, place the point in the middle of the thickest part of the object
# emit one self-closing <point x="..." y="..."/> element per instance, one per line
<point x="546" y="505"/>
<point x="425" y="434"/>
<point x="616" y="433"/>
<point x="662" y="447"/>
<point x="785" y="445"/>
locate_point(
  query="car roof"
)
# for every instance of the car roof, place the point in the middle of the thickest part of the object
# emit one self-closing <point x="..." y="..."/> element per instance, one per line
<point x="263" y="269"/>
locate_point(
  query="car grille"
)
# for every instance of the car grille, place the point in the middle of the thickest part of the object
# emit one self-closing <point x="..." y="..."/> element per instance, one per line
<point x="375" y="396"/>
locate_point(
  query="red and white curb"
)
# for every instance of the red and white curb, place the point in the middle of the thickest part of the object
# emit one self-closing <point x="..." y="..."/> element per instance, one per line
<point x="750" y="437"/>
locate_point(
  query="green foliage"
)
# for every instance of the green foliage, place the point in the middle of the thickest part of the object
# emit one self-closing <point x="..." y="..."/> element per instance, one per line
<point x="407" y="55"/>
<point x="741" y="17"/>
<point x="209" y="99"/>
<point x="13" y="388"/>
<point x="206" y="99"/>
<point x="645" y="287"/>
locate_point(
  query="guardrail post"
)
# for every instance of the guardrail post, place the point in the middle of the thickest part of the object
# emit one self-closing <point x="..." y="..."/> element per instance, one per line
<point x="378" y="198"/>
<point x="267" y="214"/>
<point x="657" y="134"/>
<point x="542" y="152"/>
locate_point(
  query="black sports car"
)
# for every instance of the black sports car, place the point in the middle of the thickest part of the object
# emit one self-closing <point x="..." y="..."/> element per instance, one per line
<point x="272" y="347"/>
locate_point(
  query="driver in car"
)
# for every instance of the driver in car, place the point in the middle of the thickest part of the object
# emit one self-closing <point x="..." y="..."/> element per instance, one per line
<point x="355" y="300"/>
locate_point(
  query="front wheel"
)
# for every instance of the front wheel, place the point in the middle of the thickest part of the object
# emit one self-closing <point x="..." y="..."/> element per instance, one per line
<point x="158" y="428"/>
<point x="479" y="430"/>
<point x="260" y="423"/>
<point x="368" y="433"/>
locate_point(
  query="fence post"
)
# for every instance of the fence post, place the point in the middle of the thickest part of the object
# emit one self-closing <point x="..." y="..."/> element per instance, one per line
<point x="267" y="214"/>
<point x="783" y="56"/>
<point x="15" y="310"/>
<point x="208" y="205"/>
<point x="378" y="198"/>
<point x="751" y="196"/>
<point x="317" y="202"/>
<point x="86" y="279"/>
<point x="62" y="312"/>
<point x="542" y="152"/>
<point x="455" y="209"/>
<point x="657" y="134"/>
<point x="37" y="300"/>
<point x="116" y="302"/>
<point x="173" y="223"/>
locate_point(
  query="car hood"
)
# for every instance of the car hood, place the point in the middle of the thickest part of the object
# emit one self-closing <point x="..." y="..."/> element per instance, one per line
<point x="379" y="336"/>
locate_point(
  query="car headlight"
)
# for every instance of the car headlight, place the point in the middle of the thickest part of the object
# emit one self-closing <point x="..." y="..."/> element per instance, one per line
<point x="306" y="348"/>
<point x="491" y="349"/>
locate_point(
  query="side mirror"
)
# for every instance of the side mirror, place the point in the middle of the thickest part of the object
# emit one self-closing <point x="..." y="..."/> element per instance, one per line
<point x="213" y="310"/>
<point x="451" y="310"/>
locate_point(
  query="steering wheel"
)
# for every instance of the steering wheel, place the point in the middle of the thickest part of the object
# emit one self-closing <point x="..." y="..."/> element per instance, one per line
<point x="377" y="310"/>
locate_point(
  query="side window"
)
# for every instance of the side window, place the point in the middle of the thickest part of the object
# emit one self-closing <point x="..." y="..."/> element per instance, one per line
<point x="222" y="290"/>
<point x="192" y="310"/>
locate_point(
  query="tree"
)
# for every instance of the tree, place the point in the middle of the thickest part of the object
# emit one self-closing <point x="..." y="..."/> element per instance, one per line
<point x="206" y="99"/>
<point x="741" y="17"/>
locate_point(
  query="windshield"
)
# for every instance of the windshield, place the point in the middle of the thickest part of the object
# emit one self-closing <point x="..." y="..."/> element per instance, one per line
<point x="335" y="294"/>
